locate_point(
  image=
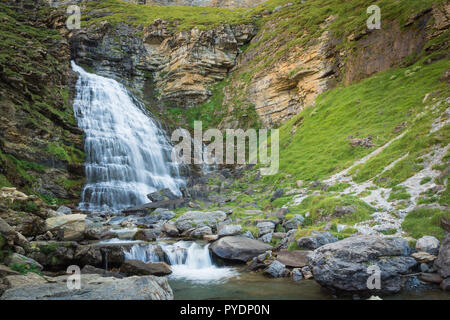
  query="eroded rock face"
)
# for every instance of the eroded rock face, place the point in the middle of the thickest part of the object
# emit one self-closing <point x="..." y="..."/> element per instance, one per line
<point x="342" y="266"/>
<point x="238" y="248"/>
<point x="95" y="287"/>
<point x="179" y="66"/>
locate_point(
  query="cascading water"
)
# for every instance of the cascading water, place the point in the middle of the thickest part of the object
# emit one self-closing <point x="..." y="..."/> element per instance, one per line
<point x="188" y="260"/>
<point x="127" y="154"/>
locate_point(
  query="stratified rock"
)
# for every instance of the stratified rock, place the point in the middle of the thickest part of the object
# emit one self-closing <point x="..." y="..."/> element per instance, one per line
<point x="428" y="244"/>
<point x="293" y="258"/>
<point x="230" y="230"/>
<point x="195" y="219"/>
<point x="72" y="226"/>
<point x="95" y="287"/>
<point x="315" y="240"/>
<point x="343" y="265"/>
<point x="442" y="263"/>
<point x="431" y="277"/>
<point x="238" y="248"/>
<point x="139" y="268"/>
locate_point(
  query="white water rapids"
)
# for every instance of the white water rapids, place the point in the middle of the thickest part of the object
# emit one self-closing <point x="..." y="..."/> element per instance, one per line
<point x="188" y="260"/>
<point x="127" y="154"/>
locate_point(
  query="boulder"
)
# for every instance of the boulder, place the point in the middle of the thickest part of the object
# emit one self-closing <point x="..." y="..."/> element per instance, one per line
<point x="315" y="240"/>
<point x="276" y="270"/>
<point x="267" y="238"/>
<point x="265" y="227"/>
<point x="431" y="277"/>
<point x="307" y="273"/>
<point x="16" y="258"/>
<point x="343" y="266"/>
<point x="170" y="229"/>
<point x="64" y="210"/>
<point x="146" y="235"/>
<point x="293" y="258"/>
<point x="72" y="226"/>
<point x="442" y="263"/>
<point x="297" y="274"/>
<point x="30" y="278"/>
<point x="195" y="219"/>
<point x="200" y="232"/>
<point x="210" y="237"/>
<point x="139" y="268"/>
<point x="294" y="222"/>
<point x="161" y="195"/>
<point x="95" y="287"/>
<point x="428" y="244"/>
<point x="238" y="248"/>
<point x="230" y="230"/>
<point x="445" y="285"/>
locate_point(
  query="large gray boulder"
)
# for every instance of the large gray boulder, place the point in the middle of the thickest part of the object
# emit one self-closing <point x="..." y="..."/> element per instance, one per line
<point x="428" y="244"/>
<point x="442" y="263"/>
<point x="230" y="230"/>
<point x="293" y="258"/>
<point x="265" y="227"/>
<point x="276" y="270"/>
<point x="238" y="248"/>
<point x="95" y="287"/>
<point x="343" y="266"/>
<point x="315" y="240"/>
<point x="195" y="219"/>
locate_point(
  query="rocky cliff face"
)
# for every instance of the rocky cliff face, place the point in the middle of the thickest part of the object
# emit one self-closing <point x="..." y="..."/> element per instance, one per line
<point x="40" y="144"/>
<point x="170" y="69"/>
<point x="282" y="88"/>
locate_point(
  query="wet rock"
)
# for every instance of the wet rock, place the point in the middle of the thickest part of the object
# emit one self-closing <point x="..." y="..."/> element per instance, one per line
<point x="297" y="274"/>
<point x="163" y="194"/>
<point x="342" y="266"/>
<point x="293" y="258"/>
<point x="95" y="287"/>
<point x="294" y="222"/>
<point x="428" y="244"/>
<point x="276" y="270"/>
<point x="230" y="230"/>
<point x="196" y="219"/>
<point x="442" y="263"/>
<point x="88" y="269"/>
<point x="137" y="267"/>
<point x="238" y="248"/>
<point x="72" y="226"/>
<point x="307" y="273"/>
<point x="146" y="235"/>
<point x="431" y="277"/>
<point x="315" y="240"/>
<point x="445" y="285"/>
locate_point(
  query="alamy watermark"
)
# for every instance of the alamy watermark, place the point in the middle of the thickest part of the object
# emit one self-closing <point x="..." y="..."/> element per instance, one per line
<point x="374" y="21"/>
<point x="73" y="21"/>
<point x="237" y="151"/>
<point x="374" y="280"/>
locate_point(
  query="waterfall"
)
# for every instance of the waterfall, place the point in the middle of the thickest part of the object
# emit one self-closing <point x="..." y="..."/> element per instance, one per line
<point x="127" y="153"/>
<point x="188" y="260"/>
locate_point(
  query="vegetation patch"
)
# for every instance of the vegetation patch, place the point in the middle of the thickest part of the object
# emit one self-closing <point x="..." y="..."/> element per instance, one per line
<point x="424" y="222"/>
